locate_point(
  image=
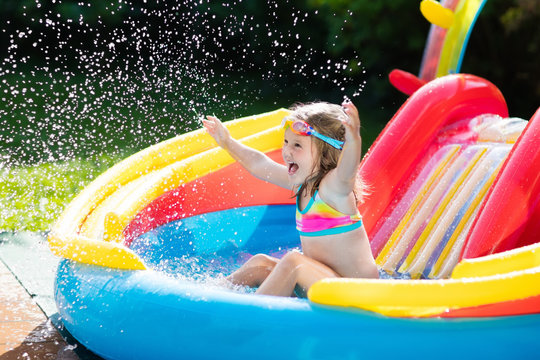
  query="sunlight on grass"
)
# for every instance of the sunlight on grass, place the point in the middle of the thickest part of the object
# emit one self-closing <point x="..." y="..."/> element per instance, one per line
<point x="32" y="197"/>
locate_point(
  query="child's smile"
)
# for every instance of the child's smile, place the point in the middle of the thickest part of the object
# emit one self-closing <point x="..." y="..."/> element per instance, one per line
<point x="293" y="168"/>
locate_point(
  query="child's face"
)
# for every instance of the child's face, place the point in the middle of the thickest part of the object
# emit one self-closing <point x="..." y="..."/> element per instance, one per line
<point x="299" y="155"/>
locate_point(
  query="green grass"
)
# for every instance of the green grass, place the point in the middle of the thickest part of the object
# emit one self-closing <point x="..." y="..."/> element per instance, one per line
<point x="32" y="197"/>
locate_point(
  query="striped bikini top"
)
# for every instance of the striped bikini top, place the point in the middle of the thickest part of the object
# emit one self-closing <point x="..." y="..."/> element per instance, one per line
<point x="319" y="218"/>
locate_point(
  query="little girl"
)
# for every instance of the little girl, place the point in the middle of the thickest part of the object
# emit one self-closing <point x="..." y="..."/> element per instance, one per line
<point x="322" y="152"/>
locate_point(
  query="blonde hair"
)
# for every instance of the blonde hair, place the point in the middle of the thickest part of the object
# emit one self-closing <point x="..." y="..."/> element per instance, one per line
<point x="326" y="119"/>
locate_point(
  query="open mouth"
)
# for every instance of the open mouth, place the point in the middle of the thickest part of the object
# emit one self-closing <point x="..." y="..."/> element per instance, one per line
<point x="293" y="167"/>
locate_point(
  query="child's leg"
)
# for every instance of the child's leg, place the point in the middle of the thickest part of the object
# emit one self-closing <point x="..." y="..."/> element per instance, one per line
<point x="292" y="270"/>
<point x="254" y="271"/>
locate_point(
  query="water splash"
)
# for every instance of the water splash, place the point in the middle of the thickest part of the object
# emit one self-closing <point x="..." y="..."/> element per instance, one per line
<point x="83" y="77"/>
<point x="84" y="84"/>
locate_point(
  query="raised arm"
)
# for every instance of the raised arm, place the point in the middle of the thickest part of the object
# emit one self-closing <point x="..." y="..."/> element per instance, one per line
<point x="256" y="162"/>
<point x="342" y="180"/>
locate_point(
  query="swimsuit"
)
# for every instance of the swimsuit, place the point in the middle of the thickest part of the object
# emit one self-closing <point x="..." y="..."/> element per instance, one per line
<point x="319" y="218"/>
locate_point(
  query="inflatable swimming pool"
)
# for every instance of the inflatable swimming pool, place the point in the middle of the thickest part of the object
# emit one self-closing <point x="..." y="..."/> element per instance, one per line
<point x="455" y="207"/>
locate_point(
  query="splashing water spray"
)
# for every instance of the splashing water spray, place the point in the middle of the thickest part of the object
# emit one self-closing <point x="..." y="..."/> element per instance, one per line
<point x="88" y="81"/>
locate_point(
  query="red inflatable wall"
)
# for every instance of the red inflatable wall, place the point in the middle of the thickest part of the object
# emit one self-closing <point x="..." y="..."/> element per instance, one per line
<point x="227" y="188"/>
<point x="510" y="216"/>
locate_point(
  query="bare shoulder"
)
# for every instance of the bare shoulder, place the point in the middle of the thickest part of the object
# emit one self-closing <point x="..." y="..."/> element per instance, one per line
<point x="342" y="201"/>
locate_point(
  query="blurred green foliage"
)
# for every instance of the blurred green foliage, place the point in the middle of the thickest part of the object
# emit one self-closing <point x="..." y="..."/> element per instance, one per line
<point x="371" y="37"/>
<point x="504" y="48"/>
<point x="252" y="41"/>
<point x="386" y="34"/>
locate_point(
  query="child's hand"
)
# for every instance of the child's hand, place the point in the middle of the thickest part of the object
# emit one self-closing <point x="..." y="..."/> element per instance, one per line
<point x="216" y="129"/>
<point x="352" y="125"/>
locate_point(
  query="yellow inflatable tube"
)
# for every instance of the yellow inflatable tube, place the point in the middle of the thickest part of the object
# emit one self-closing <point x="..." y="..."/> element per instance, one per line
<point x="131" y="199"/>
<point x="95" y="252"/>
<point x="167" y="164"/>
<point x="153" y="158"/>
<point x="522" y="258"/>
<point x="422" y="298"/>
<point x="506" y="276"/>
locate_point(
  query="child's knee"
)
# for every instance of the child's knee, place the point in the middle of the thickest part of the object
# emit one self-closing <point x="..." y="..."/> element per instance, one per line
<point x="262" y="260"/>
<point x="292" y="260"/>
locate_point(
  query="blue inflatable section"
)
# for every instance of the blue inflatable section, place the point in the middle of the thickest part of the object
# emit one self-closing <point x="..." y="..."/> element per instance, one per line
<point x="123" y="314"/>
<point x="146" y="314"/>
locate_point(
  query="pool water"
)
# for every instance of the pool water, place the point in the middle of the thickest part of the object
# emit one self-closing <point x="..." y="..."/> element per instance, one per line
<point x="208" y="247"/>
<point x="213" y="245"/>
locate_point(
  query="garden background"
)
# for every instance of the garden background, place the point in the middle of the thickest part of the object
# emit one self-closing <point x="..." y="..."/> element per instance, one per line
<point x="84" y="84"/>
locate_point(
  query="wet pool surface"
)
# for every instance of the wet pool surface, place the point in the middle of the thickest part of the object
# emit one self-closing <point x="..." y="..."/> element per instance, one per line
<point x="29" y="323"/>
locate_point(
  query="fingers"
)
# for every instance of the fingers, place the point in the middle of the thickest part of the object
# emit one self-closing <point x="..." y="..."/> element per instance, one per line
<point x="210" y="123"/>
<point x="352" y="112"/>
<point x="216" y="129"/>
